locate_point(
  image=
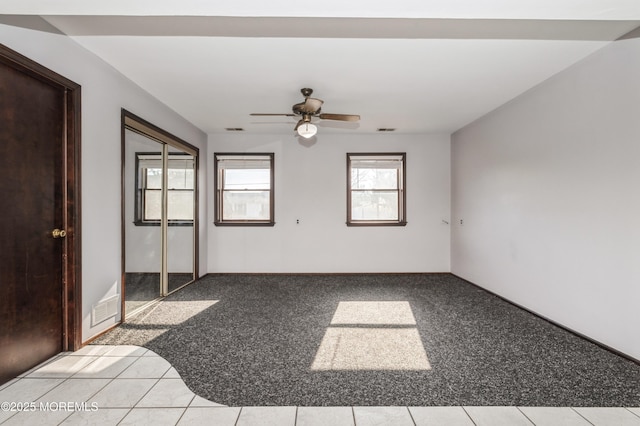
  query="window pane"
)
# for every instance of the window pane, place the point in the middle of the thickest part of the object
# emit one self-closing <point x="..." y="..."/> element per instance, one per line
<point x="244" y="188"/>
<point x="245" y="205"/>
<point x="369" y="205"/>
<point x="152" y="204"/>
<point x="247" y="179"/>
<point x="180" y="187"/>
<point x="154" y="178"/>
<point x="374" y="178"/>
<point x="180" y="205"/>
<point x="180" y="178"/>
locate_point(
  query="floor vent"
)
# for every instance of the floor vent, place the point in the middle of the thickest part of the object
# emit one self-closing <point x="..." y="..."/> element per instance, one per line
<point x="105" y="309"/>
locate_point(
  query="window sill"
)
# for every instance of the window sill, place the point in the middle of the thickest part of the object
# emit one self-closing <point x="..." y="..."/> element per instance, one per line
<point x="244" y="223"/>
<point x="376" y="223"/>
<point x="157" y="223"/>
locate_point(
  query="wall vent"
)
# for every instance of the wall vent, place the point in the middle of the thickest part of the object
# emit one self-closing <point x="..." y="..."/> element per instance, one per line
<point x="234" y="129"/>
<point x="105" y="309"/>
<point x="386" y="129"/>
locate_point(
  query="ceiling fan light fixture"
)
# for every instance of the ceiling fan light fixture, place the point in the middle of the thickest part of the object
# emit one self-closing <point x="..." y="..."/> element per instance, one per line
<point x="307" y="130"/>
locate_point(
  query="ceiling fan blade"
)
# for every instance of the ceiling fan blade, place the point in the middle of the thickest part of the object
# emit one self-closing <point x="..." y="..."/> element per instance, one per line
<point x="340" y="117"/>
<point x="260" y="114"/>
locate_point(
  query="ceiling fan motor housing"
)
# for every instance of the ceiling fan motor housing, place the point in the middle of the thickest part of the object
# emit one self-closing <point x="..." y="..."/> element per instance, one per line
<point x="309" y="107"/>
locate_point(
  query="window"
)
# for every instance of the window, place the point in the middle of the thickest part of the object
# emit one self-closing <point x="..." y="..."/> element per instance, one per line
<point x="180" y="188"/>
<point x="376" y="189"/>
<point x="244" y="189"/>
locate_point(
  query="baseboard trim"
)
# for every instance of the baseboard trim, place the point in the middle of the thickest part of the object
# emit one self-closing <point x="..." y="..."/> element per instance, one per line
<point x="557" y="324"/>
<point x="325" y="273"/>
<point x="102" y="333"/>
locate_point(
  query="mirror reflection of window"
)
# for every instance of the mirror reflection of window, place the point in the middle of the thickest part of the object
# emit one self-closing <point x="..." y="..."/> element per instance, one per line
<point x="180" y="188"/>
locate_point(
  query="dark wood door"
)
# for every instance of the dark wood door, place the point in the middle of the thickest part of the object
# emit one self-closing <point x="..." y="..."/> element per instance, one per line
<point x="32" y="116"/>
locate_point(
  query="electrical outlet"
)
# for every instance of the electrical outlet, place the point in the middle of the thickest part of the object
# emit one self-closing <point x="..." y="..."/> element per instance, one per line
<point x="461" y="222"/>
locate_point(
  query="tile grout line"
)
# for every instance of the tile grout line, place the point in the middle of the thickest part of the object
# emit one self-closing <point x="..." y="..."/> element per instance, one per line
<point x="525" y="416"/>
<point x="56" y="386"/>
<point x="129" y="366"/>
<point x="181" y="415"/>
<point x="134" y="404"/>
<point x="141" y="398"/>
<point x="42" y="364"/>
<point x="238" y="418"/>
<point x="86" y="400"/>
<point x="96" y="358"/>
<point x="92" y="362"/>
<point x="125" y="416"/>
<point x="145" y="394"/>
<point x="111" y="380"/>
<point x="29" y="372"/>
<point x="129" y="409"/>
<point x="580" y="414"/>
<point x="411" y="416"/>
<point x="632" y="412"/>
<point x="8" y="418"/>
<point x="65" y="419"/>
<point x="468" y="415"/>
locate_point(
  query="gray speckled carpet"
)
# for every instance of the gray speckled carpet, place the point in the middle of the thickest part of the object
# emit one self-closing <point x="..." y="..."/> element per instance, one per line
<point x="245" y="340"/>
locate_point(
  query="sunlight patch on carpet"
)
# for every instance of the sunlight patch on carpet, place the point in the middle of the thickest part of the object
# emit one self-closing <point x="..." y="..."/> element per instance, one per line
<point x="374" y="313"/>
<point x="372" y="335"/>
<point x="371" y="349"/>
<point x="168" y="314"/>
<point x="177" y="311"/>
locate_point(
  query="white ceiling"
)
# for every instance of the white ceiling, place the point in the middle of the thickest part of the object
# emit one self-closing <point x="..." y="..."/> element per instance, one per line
<point x="419" y="66"/>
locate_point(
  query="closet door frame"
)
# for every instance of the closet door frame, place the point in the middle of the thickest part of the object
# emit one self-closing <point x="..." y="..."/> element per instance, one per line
<point x="143" y="127"/>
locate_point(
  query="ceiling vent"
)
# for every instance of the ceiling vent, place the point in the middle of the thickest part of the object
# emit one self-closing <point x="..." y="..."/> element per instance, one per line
<point x="386" y="129"/>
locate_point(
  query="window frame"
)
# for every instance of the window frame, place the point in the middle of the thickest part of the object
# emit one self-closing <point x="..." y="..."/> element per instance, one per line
<point x="140" y="191"/>
<point x="401" y="190"/>
<point x="219" y="192"/>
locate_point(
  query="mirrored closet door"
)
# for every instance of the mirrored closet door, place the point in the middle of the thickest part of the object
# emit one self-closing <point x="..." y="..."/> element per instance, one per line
<point x="159" y="211"/>
<point x="180" y="212"/>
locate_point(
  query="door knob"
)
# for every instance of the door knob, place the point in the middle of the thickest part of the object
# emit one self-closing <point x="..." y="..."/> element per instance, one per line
<point x="58" y="233"/>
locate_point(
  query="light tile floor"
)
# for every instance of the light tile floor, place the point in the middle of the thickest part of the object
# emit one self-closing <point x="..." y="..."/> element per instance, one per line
<point x="130" y="385"/>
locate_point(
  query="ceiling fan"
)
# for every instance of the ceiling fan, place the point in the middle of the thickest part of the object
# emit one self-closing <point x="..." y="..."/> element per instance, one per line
<point x="308" y="109"/>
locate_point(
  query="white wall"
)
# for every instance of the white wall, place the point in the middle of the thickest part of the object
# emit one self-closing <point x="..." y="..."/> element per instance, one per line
<point x="310" y="185"/>
<point x="548" y="189"/>
<point x="104" y="93"/>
